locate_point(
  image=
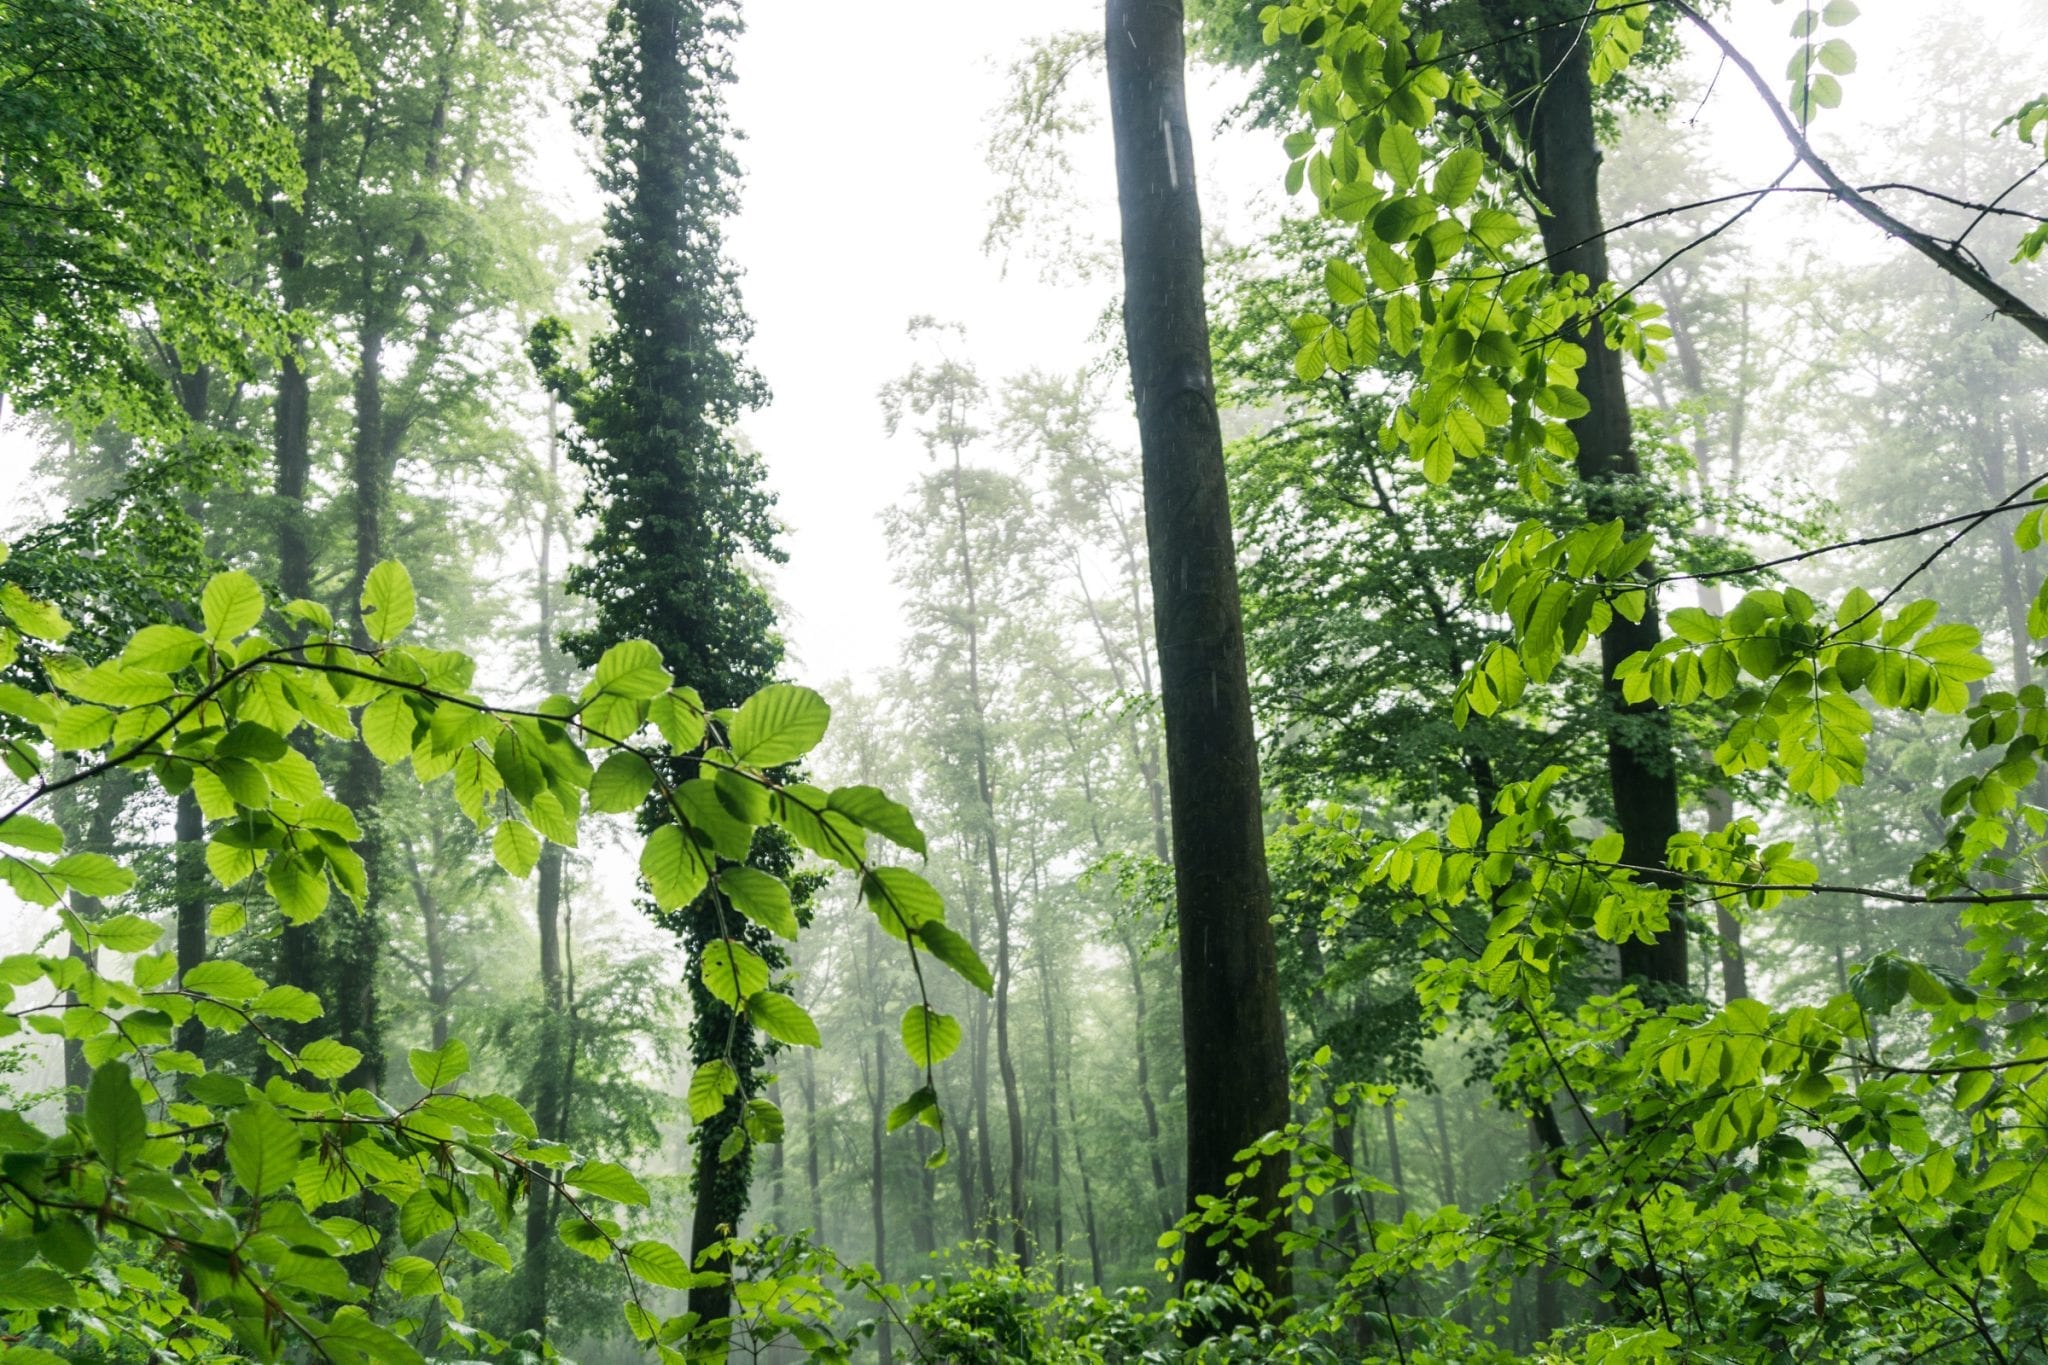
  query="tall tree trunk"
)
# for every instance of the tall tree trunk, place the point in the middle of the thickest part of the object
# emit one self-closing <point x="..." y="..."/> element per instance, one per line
<point x="1394" y="1176"/>
<point x="811" y="1174"/>
<point x="299" y="954"/>
<point x="357" y="936"/>
<point x="1052" y="1118"/>
<point x="550" y="1070"/>
<point x="999" y="902"/>
<point x="1087" y="1189"/>
<point x="1234" y="1039"/>
<point x="88" y="815"/>
<point x="1641" y="764"/>
<point x="188" y="860"/>
<point x="1461" y="1275"/>
<point x="878" y="1101"/>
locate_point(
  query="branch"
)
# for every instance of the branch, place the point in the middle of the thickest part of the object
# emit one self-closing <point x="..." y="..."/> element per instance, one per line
<point x="1950" y="258"/>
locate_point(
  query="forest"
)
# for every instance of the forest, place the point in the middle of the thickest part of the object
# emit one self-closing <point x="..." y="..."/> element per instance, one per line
<point x="1368" y="690"/>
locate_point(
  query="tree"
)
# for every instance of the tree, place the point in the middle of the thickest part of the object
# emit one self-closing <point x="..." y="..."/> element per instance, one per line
<point x="676" y="502"/>
<point x="138" y="138"/>
<point x="968" y="546"/>
<point x="1234" y="1038"/>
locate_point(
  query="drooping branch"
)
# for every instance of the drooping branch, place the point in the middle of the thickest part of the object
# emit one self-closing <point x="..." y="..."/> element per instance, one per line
<point x="1948" y="256"/>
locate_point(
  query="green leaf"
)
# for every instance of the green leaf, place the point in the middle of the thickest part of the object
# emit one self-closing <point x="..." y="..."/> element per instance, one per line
<point x="659" y="1263"/>
<point x="114" y="1117"/>
<point x="300" y="889"/>
<point x="608" y="1180"/>
<point x="388" y="602"/>
<point x="223" y="980"/>
<point x="679" y="715"/>
<point x="516" y="847"/>
<point x="779" y="724"/>
<point x="957" y="953"/>
<point x="34" y="618"/>
<point x="287" y="1002"/>
<point x="34" y="1287"/>
<point x="388" y="725"/>
<point x="871" y="808"/>
<point x="25" y="831"/>
<point x="263" y="1149"/>
<point x="929" y="1036"/>
<point x="1466" y="827"/>
<point x="781" y="1018"/>
<point x="926" y="1100"/>
<point x="1400" y="154"/>
<point x="731" y="971"/>
<point x="762" y="898"/>
<point x="329" y="1059"/>
<point x="126" y="933"/>
<point x="631" y="669"/>
<point x="710" y="1084"/>
<point x="231" y="605"/>
<point x="162" y="649"/>
<point x="621" y="783"/>
<point x="95" y="874"/>
<point x="675" y="868"/>
<point x="436" y="1067"/>
<point x="901" y="900"/>
<point x="484" y="1247"/>
<point x="1457" y="177"/>
<point x="763" y="1121"/>
<point x="1345" y="285"/>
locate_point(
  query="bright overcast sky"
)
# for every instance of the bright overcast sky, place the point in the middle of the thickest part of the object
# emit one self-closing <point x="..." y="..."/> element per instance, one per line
<point x="866" y="201"/>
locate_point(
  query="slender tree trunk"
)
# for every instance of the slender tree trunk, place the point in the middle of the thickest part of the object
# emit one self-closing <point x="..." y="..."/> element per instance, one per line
<point x="357" y="936"/>
<point x="999" y="902"/>
<point x="877" y="1200"/>
<point x="188" y="860"/>
<point x="1087" y="1189"/>
<point x="89" y="816"/>
<point x="1394" y="1176"/>
<point x="815" y="1185"/>
<point x="299" y="954"/>
<point x="1641" y="761"/>
<point x="1461" y="1275"/>
<point x="550" y="1078"/>
<point x="1052" y="1118"/>
<point x="924" y="1223"/>
<point x="1234" y="1039"/>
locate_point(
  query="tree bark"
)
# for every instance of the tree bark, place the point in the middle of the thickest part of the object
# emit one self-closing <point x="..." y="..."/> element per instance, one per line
<point x="550" y="1074"/>
<point x="299" y="955"/>
<point x="1234" y="1039"/>
<point x="1641" y="764"/>
<point x="878" y="1207"/>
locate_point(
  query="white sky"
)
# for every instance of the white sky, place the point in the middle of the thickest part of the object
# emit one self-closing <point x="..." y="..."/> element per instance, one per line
<point x="866" y="200"/>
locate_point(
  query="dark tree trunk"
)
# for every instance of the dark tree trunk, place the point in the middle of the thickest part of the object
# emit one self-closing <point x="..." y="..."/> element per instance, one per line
<point x="878" y="1207"/>
<point x="550" y="1069"/>
<point x="1394" y="1176"/>
<point x="1641" y="764"/>
<point x="357" y="936"/>
<point x="1234" y="1039"/>
<point x="1052" y="1119"/>
<point x="190" y="871"/>
<point x="299" y="955"/>
<point x="810" y="1088"/>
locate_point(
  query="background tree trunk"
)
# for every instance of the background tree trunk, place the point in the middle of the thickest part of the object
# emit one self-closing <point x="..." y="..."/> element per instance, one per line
<point x="1234" y="1039"/>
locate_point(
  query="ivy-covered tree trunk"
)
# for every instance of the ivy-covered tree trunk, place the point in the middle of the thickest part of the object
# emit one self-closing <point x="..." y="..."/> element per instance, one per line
<point x="1642" y="767"/>
<point x="1235" y="1041"/>
<point x="676" y="502"/>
